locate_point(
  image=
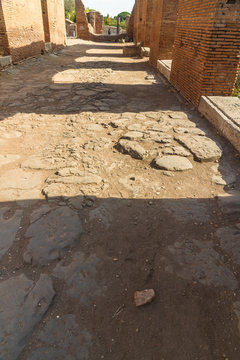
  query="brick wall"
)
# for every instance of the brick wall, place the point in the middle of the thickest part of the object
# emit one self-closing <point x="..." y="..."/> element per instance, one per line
<point x="23" y="27"/>
<point x="148" y="28"/>
<point x="4" y="48"/>
<point x="207" y="48"/>
<point x="54" y="21"/>
<point x="164" y="21"/>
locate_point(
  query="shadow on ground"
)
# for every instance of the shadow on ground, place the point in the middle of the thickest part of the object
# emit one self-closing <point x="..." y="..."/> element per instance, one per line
<point x="69" y="273"/>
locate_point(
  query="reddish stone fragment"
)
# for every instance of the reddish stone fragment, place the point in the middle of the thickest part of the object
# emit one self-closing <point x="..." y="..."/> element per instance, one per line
<point x="144" y="297"/>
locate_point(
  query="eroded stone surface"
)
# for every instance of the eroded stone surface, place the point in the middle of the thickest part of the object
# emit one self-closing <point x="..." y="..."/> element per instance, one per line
<point x="172" y="163"/>
<point x="7" y="159"/>
<point x="131" y="148"/>
<point x="62" y="339"/>
<point x="197" y="260"/>
<point x="8" y="229"/>
<point x="23" y="304"/>
<point x="80" y="277"/>
<point x="50" y="234"/>
<point x="203" y="148"/>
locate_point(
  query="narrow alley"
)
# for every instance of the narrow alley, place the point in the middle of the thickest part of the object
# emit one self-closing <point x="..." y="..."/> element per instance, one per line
<point x="112" y="183"/>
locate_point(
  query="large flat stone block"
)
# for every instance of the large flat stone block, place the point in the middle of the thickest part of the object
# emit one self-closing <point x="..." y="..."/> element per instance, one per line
<point x="224" y="113"/>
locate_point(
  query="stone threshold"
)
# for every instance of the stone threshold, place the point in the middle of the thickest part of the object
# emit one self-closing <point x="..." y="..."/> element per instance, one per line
<point x="164" y="67"/>
<point x="224" y="113"/>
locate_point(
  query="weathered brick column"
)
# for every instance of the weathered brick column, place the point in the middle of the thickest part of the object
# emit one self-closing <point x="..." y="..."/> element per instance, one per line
<point x="81" y="21"/>
<point x="207" y="48"/>
<point x="164" y="21"/>
<point x="148" y="26"/>
<point x="138" y="26"/>
<point x="54" y="21"/>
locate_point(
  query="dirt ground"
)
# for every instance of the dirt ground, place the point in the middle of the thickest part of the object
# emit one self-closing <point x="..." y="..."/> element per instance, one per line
<point x="93" y="208"/>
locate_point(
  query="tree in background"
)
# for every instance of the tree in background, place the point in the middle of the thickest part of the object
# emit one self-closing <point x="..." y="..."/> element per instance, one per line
<point x="112" y="21"/>
<point x="70" y="12"/>
<point x="123" y="15"/>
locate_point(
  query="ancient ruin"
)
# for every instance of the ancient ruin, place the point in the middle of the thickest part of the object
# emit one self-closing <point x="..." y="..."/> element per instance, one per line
<point x="120" y="182"/>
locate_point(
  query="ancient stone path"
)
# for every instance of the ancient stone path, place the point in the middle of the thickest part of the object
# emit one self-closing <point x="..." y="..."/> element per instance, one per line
<point x="111" y="183"/>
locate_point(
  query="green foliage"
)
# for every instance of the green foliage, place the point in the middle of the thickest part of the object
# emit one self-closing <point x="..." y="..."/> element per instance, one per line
<point x="112" y="21"/>
<point x="70" y="12"/>
<point x="123" y="15"/>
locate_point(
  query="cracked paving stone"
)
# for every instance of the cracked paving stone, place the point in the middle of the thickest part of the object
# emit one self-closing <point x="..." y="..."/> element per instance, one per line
<point x="131" y="148"/>
<point x="203" y="148"/>
<point x="50" y="234"/>
<point x="191" y="130"/>
<point x="197" y="260"/>
<point x="133" y="135"/>
<point x="80" y="277"/>
<point x="230" y="241"/>
<point x="172" y="163"/>
<point x="9" y="228"/>
<point x="37" y="163"/>
<point x="23" y="303"/>
<point x="176" y="150"/>
<point x="62" y="339"/>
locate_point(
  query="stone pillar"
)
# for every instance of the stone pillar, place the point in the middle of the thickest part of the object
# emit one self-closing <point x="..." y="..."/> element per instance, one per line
<point x="81" y="21"/>
<point x="207" y="48"/>
<point x="163" y="30"/>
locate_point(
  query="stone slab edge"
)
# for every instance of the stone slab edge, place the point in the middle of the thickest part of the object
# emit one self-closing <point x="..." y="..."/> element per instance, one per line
<point x="222" y="122"/>
<point x="164" y="69"/>
<point x="5" y="61"/>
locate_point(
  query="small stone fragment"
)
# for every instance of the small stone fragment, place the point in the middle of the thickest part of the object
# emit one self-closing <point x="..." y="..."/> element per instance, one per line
<point x="144" y="297"/>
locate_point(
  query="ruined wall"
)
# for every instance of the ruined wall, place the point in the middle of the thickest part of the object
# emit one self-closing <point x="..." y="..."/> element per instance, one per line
<point x="99" y="23"/>
<point x="130" y="25"/>
<point x="139" y="20"/>
<point x="23" y="28"/>
<point x="206" y="49"/>
<point x="164" y="21"/>
<point x="81" y="21"/>
<point x="54" y="21"/>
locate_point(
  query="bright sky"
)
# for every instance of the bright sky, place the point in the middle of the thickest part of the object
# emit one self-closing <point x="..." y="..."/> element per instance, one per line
<point x="111" y="7"/>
